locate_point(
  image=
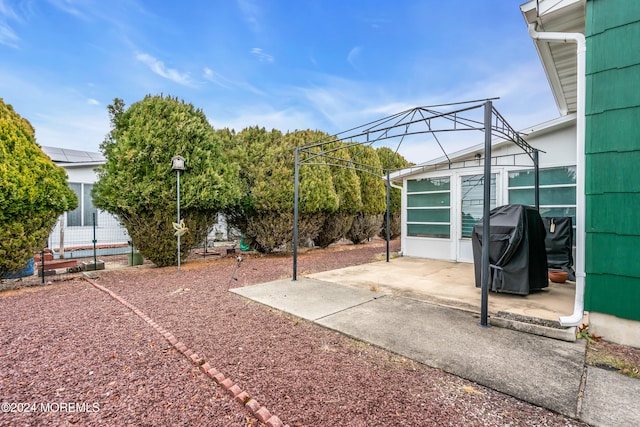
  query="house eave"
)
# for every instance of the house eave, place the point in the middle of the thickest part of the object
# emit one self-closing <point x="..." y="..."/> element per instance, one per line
<point x="558" y="59"/>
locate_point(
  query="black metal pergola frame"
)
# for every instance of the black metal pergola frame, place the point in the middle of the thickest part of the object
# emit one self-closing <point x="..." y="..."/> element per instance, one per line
<point x="407" y="123"/>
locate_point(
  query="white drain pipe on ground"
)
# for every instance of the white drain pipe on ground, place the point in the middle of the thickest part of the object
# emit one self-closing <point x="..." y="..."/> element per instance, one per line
<point x="575" y="319"/>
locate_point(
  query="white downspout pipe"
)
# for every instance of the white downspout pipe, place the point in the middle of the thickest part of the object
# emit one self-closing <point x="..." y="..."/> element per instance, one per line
<point x="575" y="319"/>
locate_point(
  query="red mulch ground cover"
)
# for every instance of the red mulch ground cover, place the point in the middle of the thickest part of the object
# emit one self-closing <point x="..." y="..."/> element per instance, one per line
<point x="70" y="342"/>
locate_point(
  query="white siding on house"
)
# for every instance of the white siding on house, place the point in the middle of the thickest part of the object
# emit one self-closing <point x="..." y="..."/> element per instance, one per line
<point x="108" y="230"/>
<point x="79" y="233"/>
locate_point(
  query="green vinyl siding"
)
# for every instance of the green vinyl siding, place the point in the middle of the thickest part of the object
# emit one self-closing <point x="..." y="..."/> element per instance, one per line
<point x="617" y="136"/>
<point x="428" y="207"/>
<point x="616" y="261"/>
<point x="605" y="213"/>
<point x="611" y="294"/>
<point x="605" y="15"/>
<point x="613" y="172"/>
<point x="611" y="89"/>
<point x="603" y="58"/>
<point x="612" y="145"/>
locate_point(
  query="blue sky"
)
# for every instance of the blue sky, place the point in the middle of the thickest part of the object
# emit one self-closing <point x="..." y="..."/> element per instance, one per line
<point x="284" y="64"/>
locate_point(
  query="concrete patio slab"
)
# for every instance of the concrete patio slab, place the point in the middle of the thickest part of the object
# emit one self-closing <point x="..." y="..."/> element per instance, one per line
<point x="427" y="311"/>
<point x="307" y="298"/>
<point x="536" y="369"/>
<point x="610" y="399"/>
<point x="450" y="284"/>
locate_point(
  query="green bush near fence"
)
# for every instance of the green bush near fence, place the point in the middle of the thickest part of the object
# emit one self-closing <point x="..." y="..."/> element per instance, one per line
<point x="33" y="192"/>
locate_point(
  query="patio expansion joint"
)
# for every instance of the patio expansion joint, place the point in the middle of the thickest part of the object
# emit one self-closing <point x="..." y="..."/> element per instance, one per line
<point x="237" y="394"/>
<point x="349" y="308"/>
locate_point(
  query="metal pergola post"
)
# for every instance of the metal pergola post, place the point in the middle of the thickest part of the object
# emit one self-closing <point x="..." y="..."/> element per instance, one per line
<point x="388" y="212"/>
<point x="486" y="209"/>
<point x="178" y="200"/>
<point x="536" y="178"/>
<point x="295" y="213"/>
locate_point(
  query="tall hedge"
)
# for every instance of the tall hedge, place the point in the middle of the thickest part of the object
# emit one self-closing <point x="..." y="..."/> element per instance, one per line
<point x="265" y="212"/>
<point x="346" y="184"/>
<point x="367" y="222"/>
<point x="33" y="192"/>
<point x="138" y="185"/>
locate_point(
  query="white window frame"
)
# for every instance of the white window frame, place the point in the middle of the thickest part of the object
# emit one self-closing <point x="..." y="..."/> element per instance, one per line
<point x="413" y="193"/>
<point x="81" y="206"/>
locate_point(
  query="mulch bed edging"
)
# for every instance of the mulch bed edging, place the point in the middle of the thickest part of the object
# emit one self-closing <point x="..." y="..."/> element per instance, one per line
<point x="239" y="395"/>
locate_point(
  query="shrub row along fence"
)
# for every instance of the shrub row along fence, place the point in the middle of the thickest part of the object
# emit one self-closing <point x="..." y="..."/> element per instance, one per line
<point x="96" y="242"/>
<point x="83" y="244"/>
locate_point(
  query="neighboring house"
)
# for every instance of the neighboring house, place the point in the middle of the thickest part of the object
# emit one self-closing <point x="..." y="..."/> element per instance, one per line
<point x="75" y="228"/>
<point x="589" y="171"/>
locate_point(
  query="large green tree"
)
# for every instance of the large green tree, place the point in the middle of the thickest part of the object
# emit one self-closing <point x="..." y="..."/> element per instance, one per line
<point x="392" y="161"/>
<point x="138" y="185"/>
<point x="33" y="192"/>
<point x="265" y="213"/>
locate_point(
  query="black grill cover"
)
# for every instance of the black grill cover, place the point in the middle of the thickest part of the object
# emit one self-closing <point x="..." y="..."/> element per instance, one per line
<point x="517" y="256"/>
<point x="559" y="243"/>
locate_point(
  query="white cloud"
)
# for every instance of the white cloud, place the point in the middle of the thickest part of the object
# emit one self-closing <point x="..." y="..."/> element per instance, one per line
<point x="60" y="117"/>
<point x="261" y="55"/>
<point x="92" y="101"/>
<point x="339" y="104"/>
<point x="263" y="115"/>
<point x="6" y="10"/>
<point x="72" y="129"/>
<point x="160" y="69"/>
<point x="525" y="96"/>
<point x="68" y="6"/>
<point x="377" y="23"/>
<point x="353" y="55"/>
<point x="251" y="11"/>
<point x="216" y="78"/>
<point x="7" y="36"/>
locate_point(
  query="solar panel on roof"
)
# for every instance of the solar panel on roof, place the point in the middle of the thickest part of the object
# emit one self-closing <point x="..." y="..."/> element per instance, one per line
<point x="65" y="155"/>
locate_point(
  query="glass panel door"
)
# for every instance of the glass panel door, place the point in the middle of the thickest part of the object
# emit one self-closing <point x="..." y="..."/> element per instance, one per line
<point x="472" y="192"/>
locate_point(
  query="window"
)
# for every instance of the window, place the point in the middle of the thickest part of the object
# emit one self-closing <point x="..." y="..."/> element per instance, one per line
<point x="428" y="207"/>
<point x="557" y="190"/>
<point x="473" y="201"/>
<point x="83" y="214"/>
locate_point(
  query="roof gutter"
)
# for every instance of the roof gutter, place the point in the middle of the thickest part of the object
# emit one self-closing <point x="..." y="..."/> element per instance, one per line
<point x="575" y="319"/>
